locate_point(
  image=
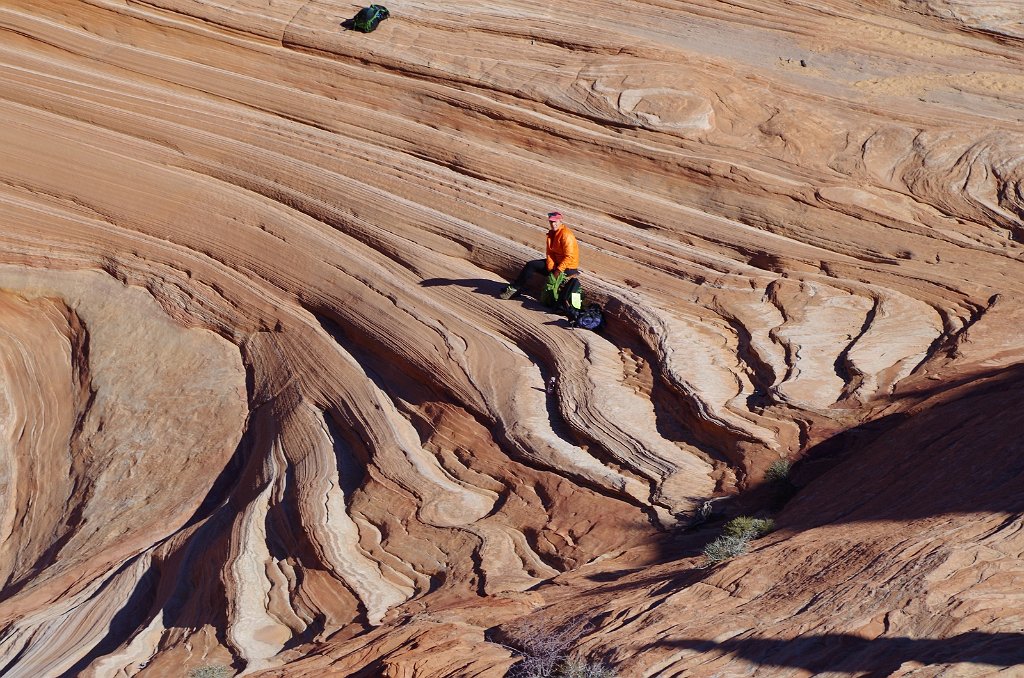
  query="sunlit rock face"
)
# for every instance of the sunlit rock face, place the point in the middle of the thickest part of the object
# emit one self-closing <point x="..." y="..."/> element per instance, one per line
<point x="261" y="410"/>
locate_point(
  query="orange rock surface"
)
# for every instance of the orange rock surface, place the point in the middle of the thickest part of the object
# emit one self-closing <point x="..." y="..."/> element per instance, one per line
<point x="261" y="412"/>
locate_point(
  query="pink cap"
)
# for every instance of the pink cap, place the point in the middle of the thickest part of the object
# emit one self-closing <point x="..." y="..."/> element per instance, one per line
<point x="554" y="216"/>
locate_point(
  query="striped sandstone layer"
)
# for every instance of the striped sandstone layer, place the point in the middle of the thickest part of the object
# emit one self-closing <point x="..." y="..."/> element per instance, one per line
<point x="260" y="407"/>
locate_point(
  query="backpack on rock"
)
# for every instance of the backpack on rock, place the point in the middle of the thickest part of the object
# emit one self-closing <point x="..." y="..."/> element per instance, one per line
<point x="367" y="19"/>
<point x="590" y="318"/>
<point x="566" y="294"/>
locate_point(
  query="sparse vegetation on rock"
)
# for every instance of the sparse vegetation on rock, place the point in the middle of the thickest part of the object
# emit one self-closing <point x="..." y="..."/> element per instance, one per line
<point x="211" y="671"/>
<point x="579" y="668"/>
<point x="748" y="528"/>
<point x="736" y="536"/>
<point x="547" y="652"/>
<point x="778" y="471"/>
<point x="777" y="478"/>
<point x="724" y="548"/>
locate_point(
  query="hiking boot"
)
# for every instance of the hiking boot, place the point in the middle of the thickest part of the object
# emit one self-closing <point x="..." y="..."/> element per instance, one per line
<point x="509" y="292"/>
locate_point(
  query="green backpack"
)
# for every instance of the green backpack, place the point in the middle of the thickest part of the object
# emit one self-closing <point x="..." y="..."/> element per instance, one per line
<point x="367" y="18"/>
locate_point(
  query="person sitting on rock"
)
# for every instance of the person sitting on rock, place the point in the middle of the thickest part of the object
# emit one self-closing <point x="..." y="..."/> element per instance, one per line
<point x="563" y="256"/>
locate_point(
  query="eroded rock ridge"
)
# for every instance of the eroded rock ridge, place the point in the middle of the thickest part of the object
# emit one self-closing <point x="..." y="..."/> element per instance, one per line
<point x="260" y="408"/>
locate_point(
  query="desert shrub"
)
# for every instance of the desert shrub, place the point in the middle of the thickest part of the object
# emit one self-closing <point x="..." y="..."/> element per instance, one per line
<point x="211" y="671"/>
<point x="724" y="548"/>
<point x="778" y="472"/>
<point x="574" y="667"/>
<point x="541" y="665"/>
<point x="736" y="537"/>
<point x="748" y="528"/>
<point x="781" y="488"/>
<point x="543" y="650"/>
<point x="546" y="650"/>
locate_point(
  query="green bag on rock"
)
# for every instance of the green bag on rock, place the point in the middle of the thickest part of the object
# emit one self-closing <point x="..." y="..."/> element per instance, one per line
<point x="367" y="19"/>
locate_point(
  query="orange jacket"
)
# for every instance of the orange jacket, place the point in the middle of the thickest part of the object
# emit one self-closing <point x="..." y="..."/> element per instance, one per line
<point x="562" y="251"/>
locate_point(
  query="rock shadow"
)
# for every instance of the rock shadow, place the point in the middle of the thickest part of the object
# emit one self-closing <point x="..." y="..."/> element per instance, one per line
<point x="479" y="285"/>
<point x="960" y="454"/>
<point x="878" y="657"/>
<point x="124" y="623"/>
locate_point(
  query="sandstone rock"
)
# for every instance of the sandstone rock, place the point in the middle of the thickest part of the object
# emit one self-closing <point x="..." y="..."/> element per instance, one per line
<point x="261" y="410"/>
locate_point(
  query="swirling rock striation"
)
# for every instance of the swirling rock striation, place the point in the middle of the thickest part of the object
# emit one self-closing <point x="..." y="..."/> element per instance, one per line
<point x="260" y="407"/>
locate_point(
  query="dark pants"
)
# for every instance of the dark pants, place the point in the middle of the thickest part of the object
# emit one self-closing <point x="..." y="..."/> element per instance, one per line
<point x="536" y="266"/>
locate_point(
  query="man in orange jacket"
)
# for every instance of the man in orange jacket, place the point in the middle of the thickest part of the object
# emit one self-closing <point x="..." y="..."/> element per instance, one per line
<point x="563" y="256"/>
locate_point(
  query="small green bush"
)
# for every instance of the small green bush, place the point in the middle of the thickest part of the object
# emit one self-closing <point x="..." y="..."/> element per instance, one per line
<point x="211" y="671"/>
<point x="724" y="548"/>
<point x="781" y="488"/>
<point x="748" y="528"/>
<point x="777" y="472"/>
